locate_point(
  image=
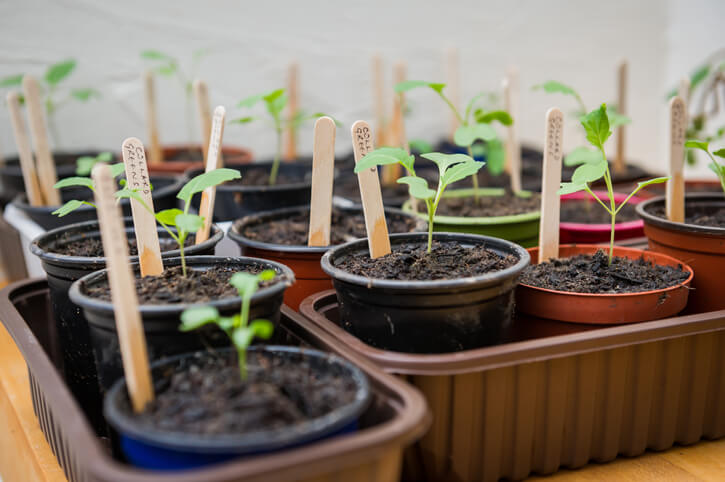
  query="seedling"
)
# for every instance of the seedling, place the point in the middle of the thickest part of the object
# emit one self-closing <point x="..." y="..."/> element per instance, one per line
<point x="80" y="181"/>
<point x="598" y="129"/>
<point x="451" y="168"/>
<point x="84" y="164"/>
<point x="238" y="327"/>
<point x="275" y="102"/>
<point x="54" y="99"/>
<point x="715" y="166"/>
<point x="474" y="125"/>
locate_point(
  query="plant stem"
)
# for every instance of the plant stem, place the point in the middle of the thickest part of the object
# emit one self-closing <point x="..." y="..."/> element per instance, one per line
<point x="277" y="157"/>
<point x="243" y="320"/>
<point x="432" y="208"/>
<point x="182" y="240"/>
<point x="463" y="122"/>
<point x="612" y="205"/>
<point x="474" y="178"/>
<point x="242" y="359"/>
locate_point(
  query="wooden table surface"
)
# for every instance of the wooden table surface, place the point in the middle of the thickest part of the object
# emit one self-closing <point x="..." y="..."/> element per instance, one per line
<point x="26" y="457"/>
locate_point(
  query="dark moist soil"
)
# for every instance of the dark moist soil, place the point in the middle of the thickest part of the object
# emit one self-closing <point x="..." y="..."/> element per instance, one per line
<point x="171" y="287"/>
<point x="93" y="247"/>
<point x="260" y="177"/>
<point x="411" y="262"/>
<point x="590" y="212"/>
<point x="507" y="205"/>
<point x="709" y="216"/>
<point x="585" y="273"/>
<point x="345" y="227"/>
<point x="208" y="397"/>
<point x="187" y="155"/>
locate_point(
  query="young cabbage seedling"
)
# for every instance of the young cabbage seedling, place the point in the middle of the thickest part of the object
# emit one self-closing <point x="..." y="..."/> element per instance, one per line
<point x="451" y="168"/>
<point x="238" y="327"/>
<point x="474" y="125"/>
<point x="598" y="129"/>
<point x="84" y="164"/>
<point x="51" y="81"/>
<point x="184" y="222"/>
<point x="275" y="102"/>
<point x="79" y="181"/>
<point x="715" y="166"/>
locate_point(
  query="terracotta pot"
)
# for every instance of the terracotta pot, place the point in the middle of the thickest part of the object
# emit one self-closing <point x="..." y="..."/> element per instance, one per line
<point x="235" y="155"/>
<point x="303" y="260"/>
<point x="599" y="233"/>
<point x="604" y="309"/>
<point x="701" y="247"/>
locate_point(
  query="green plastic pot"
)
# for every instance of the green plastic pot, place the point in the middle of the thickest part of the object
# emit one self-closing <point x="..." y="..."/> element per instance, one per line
<point x="522" y="229"/>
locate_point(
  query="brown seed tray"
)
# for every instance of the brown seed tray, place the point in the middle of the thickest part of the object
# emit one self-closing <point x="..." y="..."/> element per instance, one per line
<point x="557" y="394"/>
<point x="397" y="416"/>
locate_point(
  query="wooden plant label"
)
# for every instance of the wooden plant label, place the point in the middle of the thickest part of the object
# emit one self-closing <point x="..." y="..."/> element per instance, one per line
<point x="123" y="291"/>
<point x="372" y="199"/>
<point x="675" y="199"/>
<point x="620" y="160"/>
<point x="201" y="94"/>
<point x="25" y="153"/>
<point x="206" y="207"/>
<point x="551" y="178"/>
<point x="155" y="153"/>
<point x="683" y="91"/>
<point x="513" y="146"/>
<point x="290" y="150"/>
<point x="396" y="133"/>
<point x="323" y="166"/>
<point x="44" y="158"/>
<point x="144" y="223"/>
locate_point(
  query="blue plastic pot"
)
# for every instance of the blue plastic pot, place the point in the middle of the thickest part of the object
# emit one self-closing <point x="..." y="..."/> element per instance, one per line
<point x="151" y="448"/>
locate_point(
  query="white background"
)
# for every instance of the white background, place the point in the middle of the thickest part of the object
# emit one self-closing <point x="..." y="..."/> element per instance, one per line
<point x="252" y="42"/>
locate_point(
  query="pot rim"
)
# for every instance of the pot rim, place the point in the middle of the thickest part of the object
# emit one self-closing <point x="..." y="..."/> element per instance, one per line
<point x="477" y="281"/>
<point x="235" y="235"/>
<point x="260" y="440"/>
<point x="238" y="188"/>
<point x="621" y="249"/>
<point x="601" y="227"/>
<point x="673" y="226"/>
<point x="487" y="220"/>
<point x="85" y="301"/>
<point x="217" y="234"/>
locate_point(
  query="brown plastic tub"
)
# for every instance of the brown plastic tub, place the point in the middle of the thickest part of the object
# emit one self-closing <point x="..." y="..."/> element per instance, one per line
<point x="397" y="415"/>
<point x="175" y="163"/>
<point x="577" y="394"/>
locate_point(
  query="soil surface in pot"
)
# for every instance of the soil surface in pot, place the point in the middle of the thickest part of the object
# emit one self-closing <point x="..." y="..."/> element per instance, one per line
<point x="590" y="212"/>
<point x="186" y="155"/>
<point x="208" y="396"/>
<point x="171" y="287"/>
<point x="489" y="206"/>
<point x="701" y="215"/>
<point x="587" y="273"/>
<point x="260" y="177"/>
<point x="412" y="262"/>
<point x="93" y="247"/>
<point x="344" y="227"/>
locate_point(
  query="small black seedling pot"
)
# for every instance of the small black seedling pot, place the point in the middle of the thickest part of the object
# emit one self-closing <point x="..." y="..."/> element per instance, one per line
<point x="153" y="448"/>
<point x="436" y="316"/>
<point x="161" y="322"/>
<point x="62" y="270"/>
<point x="164" y="196"/>
<point x="234" y="201"/>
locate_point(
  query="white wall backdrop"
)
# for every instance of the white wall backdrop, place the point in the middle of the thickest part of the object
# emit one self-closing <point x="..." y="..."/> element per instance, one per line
<point x="251" y="43"/>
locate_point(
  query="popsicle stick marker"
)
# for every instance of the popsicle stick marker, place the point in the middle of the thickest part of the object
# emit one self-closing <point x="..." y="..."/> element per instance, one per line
<point x="620" y="163"/>
<point x="206" y="207"/>
<point x="396" y="134"/>
<point x="152" y="123"/>
<point x="131" y="336"/>
<point x="379" y="100"/>
<point x="372" y="200"/>
<point x="43" y="157"/>
<point x="513" y="146"/>
<point x="551" y="178"/>
<point x="25" y="153"/>
<point x="453" y="87"/>
<point x="323" y="166"/>
<point x="201" y="94"/>
<point x="144" y="223"/>
<point x="683" y="90"/>
<point x="675" y="198"/>
<point x="290" y="150"/>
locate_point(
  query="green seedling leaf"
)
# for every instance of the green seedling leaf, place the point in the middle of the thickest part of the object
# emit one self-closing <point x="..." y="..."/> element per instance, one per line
<point x="587" y="173"/>
<point x="168" y="216"/>
<point x="198" y="316"/>
<point x="419" y="145"/>
<point x="444" y="161"/>
<point x="657" y="180"/>
<point x="460" y="171"/>
<point x="190" y="223"/>
<point x="117" y="169"/>
<point x="407" y="85"/>
<point x="570" y="187"/>
<point x="276" y="103"/>
<point x="262" y="328"/>
<point x="243" y="120"/>
<point x="720" y="153"/>
<point x="383" y="156"/>
<point x="75" y="181"/>
<point x="616" y="119"/>
<point x="58" y="72"/>
<point x="156" y="55"/>
<point x="84" y="165"/>
<point x="497" y="115"/>
<point x="554" y="87"/>
<point x="596" y="125"/>
<point x="583" y="155"/>
<point x="417" y="187"/>
<point x="267" y="275"/>
<point x="245" y="283"/>
<point x="465" y="136"/>
<point x="205" y="180"/>
<point x="69" y="207"/>
<point x="495" y="157"/>
<point x="695" y="144"/>
<point x="85" y="94"/>
<point x="12" y="81"/>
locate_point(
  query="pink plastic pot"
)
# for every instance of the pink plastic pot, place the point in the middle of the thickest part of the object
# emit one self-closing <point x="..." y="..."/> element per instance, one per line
<point x="599" y="233"/>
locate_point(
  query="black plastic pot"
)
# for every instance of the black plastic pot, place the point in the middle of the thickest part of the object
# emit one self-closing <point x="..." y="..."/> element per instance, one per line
<point x="236" y="200"/>
<point x="427" y="316"/>
<point x="161" y="322"/>
<point x="164" y="197"/>
<point x="72" y="327"/>
<point x="166" y="450"/>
